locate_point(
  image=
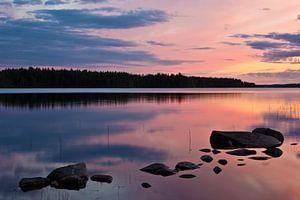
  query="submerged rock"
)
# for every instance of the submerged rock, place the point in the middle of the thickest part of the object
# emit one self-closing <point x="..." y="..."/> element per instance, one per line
<point x="181" y="166"/>
<point x="241" y="164"/>
<point x="217" y="170"/>
<point x="102" y="178"/>
<point x="222" y="162"/>
<point x="241" y="152"/>
<point x="273" y="152"/>
<point x="205" y="150"/>
<point x="187" y="176"/>
<point x="158" y="169"/>
<point x="294" y="144"/>
<point x="72" y="177"/>
<point x="260" y="158"/>
<point x="146" y="185"/>
<point x="240" y="159"/>
<point x="206" y="158"/>
<point x="270" y="132"/>
<point x="36" y="183"/>
<point x="234" y="140"/>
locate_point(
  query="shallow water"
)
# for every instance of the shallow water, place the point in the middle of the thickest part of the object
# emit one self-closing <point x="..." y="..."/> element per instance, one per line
<point x="118" y="134"/>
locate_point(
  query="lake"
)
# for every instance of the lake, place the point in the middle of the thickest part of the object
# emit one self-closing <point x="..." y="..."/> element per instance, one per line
<point x="119" y="131"/>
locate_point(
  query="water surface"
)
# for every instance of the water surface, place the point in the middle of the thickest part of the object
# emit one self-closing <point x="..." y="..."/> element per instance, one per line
<point x="120" y="132"/>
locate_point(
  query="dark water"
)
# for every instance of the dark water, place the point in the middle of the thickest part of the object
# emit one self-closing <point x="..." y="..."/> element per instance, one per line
<point x="118" y="134"/>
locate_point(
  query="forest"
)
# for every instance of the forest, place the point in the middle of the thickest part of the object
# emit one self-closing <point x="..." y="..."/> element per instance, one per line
<point x="63" y="78"/>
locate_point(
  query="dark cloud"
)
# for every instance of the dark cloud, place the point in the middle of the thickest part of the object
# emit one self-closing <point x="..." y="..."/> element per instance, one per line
<point x="231" y="43"/>
<point x="89" y="19"/>
<point x="90" y="1"/>
<point x="151" y="42"/>
<point x="282" y="56"/>
<point x="55" y="2"/>
<point x="202" y="48"/>
<point x="291" y="76"/>
<point x="27" y="2"/>
<point x="262" y="45"/>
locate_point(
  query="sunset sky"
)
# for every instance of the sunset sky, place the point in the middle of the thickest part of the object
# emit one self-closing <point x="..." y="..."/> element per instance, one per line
<point x="256" y="40"/>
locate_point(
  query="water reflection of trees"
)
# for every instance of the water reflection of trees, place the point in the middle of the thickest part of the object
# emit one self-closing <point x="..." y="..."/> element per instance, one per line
<point x="34" y="101"/>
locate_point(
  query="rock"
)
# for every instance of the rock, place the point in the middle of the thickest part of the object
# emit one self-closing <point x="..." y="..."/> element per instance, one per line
<point x="72" y="177"/>
<point x="181" y="166"/>
<point x="241" y="164"/>
<point x="241" y="152"/>
<point x="206" y="158"/>
<point x="222" y="162"/>
<point x="205" y="150"/>
<point x="270" y="132"/>
<point x="187" y="176"/>
<point x="240" y="159"/>
<point x="293" y="144"/>
<point x="36" y="183"/>
<point x="260" y="158"/>
<point x="146" y="185"/>
<point x="273" y="152"/>
<point x="217" y="170"/>
<point x="234" y="140"/>
<point x="158" y="169"/>
<point x="102" y="178"/>
<point x="215" y="151"/>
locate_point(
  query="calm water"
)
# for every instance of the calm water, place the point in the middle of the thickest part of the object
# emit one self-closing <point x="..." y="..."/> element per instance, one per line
<point x="118" y="134"/>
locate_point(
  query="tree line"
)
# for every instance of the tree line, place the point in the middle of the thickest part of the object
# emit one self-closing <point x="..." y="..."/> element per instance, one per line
<point x="52" y="78"/>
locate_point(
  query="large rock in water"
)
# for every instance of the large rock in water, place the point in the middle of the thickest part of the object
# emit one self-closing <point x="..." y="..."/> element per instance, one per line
<point x="239" y="139"/>
<point x="185" y="165"/>
<point x="36" y="183"/>
<point x="158" y="169"/>
<point x="270" y="132"/>
<point x="102" y="178"/>
<point x="72" y="177"/>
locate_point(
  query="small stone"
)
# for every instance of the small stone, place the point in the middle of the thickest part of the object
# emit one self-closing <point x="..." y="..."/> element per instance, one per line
<point x="102" y="178"/>
<point x="187" y="176"/>
<point x="260" y="158"/>
<point x="206" y="158"/>
<point x="293" y="144"/>
<point x="215" y="151"/>
<point x="222" y="162"/>
<point x="241" y="152"/>
<point x="146" y="185"/>
<point x="205" y="150"/>
<point x="240" y="159"/>
<point x="181" y="166"/>
<point x="241" y="164"/>
<point x="158" y="169"/>
<point x="274" y="152"/>
<point x="217" y="170"/>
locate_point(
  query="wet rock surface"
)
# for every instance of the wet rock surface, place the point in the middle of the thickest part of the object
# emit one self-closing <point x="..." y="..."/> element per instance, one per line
<point x="36" y="183"/>
<point x="259" y="158"/>
<point x="187" y="176"/>
<point x="222" y="162"/>
<point x="273" y="152"/>
<point x="270" y="132"/>
<point x="146" y="185"/>
<point x="185" y="165"/>
<point x="206" y="158"/>
<point x="205" y="150"/>
<point x="72" y="177"/>
<point x="217" y="170"/>
<point x="239" y="139"/>
<point x="102" y="178"/>
<point x="158" y="169"/>
<point x="241" y="152"/>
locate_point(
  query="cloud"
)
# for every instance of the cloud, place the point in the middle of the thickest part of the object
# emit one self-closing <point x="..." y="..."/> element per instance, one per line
<point x="55" y="2"/>
<point x="231" y="43"/>
<point x="287" y="76"/>
<point x="27" y="2"/>
<point x="202" y="48"/>
<point x="151" y="42"/>
<point x="263" y="45"/>
<point x="89" y="19"/>
<point x="277" y="47"/>
<point x="28" y="42"/>
<point x="90" y="1"/>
